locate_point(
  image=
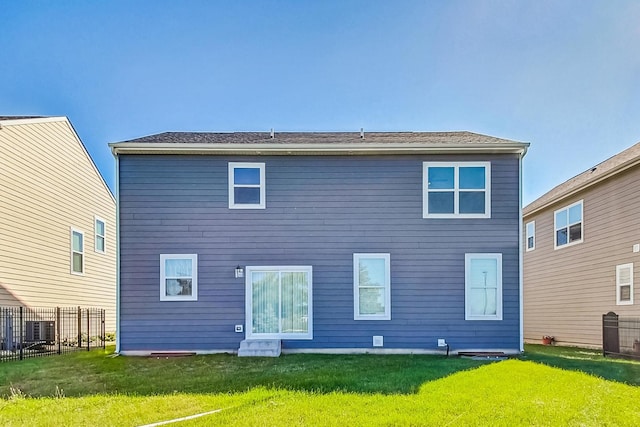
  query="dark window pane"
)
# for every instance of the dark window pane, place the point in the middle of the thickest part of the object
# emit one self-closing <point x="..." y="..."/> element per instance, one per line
<point x="575" y="232"/>
<point x="530" y="242"/>
<point x="625" y="293"/>
<point x="561" y="237"/>
<point x="440" y="178"/>
<point x="441" y="202"/>
<point x="472" y="178"/>
<point x="472" y="202"/>
<point x="246" y="176"/>
<point x="246" y="196"/>
<point x="178" y="287"/>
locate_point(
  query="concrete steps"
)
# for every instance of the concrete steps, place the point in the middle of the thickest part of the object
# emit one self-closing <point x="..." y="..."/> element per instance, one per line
<point x="260" y="348"/>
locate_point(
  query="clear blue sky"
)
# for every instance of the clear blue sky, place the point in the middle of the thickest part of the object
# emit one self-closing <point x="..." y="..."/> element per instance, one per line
<point x="564" y="76"/>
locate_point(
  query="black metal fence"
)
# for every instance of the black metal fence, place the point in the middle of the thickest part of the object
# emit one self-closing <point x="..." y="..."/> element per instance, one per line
<point x="34" y="332"/>
<point x="620" y="335"/>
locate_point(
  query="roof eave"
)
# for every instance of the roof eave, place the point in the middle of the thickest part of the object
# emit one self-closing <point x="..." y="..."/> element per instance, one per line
<point x="313" y="149"/>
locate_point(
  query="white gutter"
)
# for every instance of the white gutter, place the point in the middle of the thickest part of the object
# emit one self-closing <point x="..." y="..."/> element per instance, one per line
<point x="117" y="254"/>
<point x="313" y="149"/>
<point x="521" y="261"/>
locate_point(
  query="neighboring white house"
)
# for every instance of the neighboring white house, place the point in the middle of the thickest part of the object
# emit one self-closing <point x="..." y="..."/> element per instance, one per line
<point x="57" y="219"/>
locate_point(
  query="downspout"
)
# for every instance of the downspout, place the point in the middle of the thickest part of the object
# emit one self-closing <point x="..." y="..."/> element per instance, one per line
<point x="521" y="258"/>
<point x="117" y="252"/>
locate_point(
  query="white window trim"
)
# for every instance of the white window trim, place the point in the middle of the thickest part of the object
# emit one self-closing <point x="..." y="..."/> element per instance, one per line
<point x="194" y="278"/>
<point x="96" y="235"/>
<point x="249" y="309"/>
<point x="467" y="270"/>
<point x="618" y="284"/>
<point x="356" y="287"/>
<point x="456" y="190"/>
<point x="555" y="227"/>
<point x="262" y="186"/>
<point x="75" y="230"/>
<point x="526" y="240"/>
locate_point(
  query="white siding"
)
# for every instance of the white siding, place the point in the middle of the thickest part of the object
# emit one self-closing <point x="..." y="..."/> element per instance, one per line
<point x="48" y="184"/>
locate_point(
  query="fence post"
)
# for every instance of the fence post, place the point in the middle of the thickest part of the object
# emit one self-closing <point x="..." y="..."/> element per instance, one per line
<point x="610" y="334"/>
<point x="79" y="327"/>
<point x="58" y="330"/>
<point x="88" y="330"/>
<point x="21" y="333"/>
<point x="102" y="330"/>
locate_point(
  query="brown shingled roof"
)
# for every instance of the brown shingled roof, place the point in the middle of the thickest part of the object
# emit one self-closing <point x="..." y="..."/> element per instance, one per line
<point x="606" y="169"/>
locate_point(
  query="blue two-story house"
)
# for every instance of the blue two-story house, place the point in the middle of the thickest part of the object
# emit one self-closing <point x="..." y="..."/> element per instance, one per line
<point x="401" y="242"/>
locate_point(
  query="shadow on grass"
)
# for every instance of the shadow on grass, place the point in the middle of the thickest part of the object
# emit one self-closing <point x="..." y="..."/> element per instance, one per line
<point x="589" y="361"/>
<point x="98" y="373"/>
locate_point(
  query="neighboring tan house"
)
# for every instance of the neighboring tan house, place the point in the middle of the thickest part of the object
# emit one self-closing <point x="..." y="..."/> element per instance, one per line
<point x="319" y="242"/>
<point x="57" y="219"/>
<point x="582" y="253"/>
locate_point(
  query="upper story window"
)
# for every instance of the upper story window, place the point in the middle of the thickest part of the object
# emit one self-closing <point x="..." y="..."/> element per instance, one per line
<point x="372" y="286"/>
<point x="77" y="251"/>
<point x="246" y="186"/>
<point x="483" y="286"/>
<point x="568" y="225"/>
<point x="457" y="190"/>
<point x="531" y="235"/>
<point x="178" y="277"/>
<point x="624" y="284"/>
<point x="100" y="235"/>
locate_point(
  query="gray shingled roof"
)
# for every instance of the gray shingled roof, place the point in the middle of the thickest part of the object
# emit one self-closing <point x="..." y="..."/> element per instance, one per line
<point x="606" y="169"/>
<point x="19" y="117"/>
<point x="452" y="138"/>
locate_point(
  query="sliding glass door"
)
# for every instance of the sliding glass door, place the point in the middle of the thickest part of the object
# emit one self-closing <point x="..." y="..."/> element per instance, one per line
<point x="279" y="303"/>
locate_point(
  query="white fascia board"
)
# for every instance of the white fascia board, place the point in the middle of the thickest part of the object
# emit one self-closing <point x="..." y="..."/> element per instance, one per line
<point x="312" y="149"/>
<point x="13" y="122"/>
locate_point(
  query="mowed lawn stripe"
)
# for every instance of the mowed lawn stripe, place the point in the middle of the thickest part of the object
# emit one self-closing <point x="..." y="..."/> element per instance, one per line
<point x="511" y="392"/>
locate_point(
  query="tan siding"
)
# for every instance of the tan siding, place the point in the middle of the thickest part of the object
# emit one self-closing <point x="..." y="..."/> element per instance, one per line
<point x="49" y="185"/>
<point x="566" y="291"/>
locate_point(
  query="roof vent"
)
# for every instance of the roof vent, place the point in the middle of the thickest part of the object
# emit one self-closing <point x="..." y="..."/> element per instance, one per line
<point x="361" y="133"/>
<point x="273" y="134"/>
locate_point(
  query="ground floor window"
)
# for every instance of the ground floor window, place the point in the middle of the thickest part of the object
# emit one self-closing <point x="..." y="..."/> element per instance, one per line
<point x="372" y="286"/>
<point x="279" y="302"/>
<point x="178" y="277"/>
<point x="483" y="286"/>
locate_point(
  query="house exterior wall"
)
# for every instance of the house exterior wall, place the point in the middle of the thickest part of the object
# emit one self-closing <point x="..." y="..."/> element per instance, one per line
<point x="567" y="290"/>
<point x="320" y="210"/>
<point x="48" y="185"/>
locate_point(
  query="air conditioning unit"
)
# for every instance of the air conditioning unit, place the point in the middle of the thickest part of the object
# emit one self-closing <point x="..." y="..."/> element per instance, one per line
<point x="40" y="330"/>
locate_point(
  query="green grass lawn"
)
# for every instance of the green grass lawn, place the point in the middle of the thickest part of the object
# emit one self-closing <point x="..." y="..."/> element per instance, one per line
<point x="546" y="386"/>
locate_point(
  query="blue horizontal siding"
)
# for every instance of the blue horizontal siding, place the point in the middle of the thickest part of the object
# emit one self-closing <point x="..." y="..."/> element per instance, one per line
<point x="320" y="210"/>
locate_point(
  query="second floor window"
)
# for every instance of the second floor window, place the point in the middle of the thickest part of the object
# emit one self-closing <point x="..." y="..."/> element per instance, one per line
<point x="568" y="225"/>
<point x="246" y="186"/>
<point x="457" y="190"/>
